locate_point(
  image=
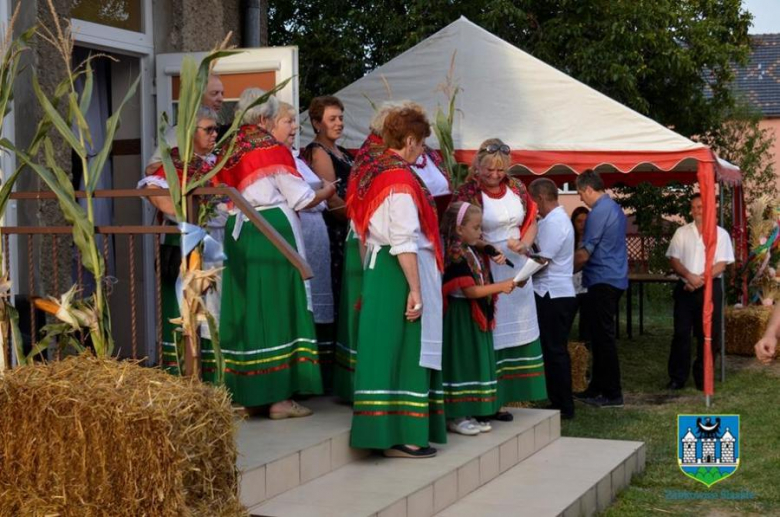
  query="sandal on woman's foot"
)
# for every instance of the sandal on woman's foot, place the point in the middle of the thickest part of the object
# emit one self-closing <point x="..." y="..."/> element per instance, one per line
<point x="404" y="451"/>
<point x="293" y="410"/>
<point x="503" y="416"/>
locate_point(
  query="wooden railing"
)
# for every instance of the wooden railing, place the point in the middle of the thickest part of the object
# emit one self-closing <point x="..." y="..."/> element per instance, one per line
<point x="59" y="240"/>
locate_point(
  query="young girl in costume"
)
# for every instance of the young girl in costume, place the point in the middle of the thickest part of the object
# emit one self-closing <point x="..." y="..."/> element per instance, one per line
<point x="468" y="357"/>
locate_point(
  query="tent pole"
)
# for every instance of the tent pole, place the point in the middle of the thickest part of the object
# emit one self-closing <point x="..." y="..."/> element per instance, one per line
<point x="722" y="301"/>
<point x="707" y="400"/>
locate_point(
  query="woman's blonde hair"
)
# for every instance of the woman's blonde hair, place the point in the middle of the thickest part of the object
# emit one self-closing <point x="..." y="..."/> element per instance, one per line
<point x="378" y="120"/>
<point x="484" y="158"/>
<point x="285" y="109"/>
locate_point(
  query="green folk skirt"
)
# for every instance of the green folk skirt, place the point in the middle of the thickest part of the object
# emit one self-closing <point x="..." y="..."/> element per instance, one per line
<point x="269" y="343"/>
<point x="468" y="364"/>
<point x="173" y="354"/>
<point x="349" y="314"/>
<point x="520" y="372"/>
<point x="396" y="401"/>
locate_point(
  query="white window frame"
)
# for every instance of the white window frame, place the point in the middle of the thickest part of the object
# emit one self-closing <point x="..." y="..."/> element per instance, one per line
<point x="109" y="37"/>
<point x="283" y="60"/>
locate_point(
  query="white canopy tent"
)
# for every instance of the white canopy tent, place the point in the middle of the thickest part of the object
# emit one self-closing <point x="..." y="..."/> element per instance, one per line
<point x="554" y="124"/>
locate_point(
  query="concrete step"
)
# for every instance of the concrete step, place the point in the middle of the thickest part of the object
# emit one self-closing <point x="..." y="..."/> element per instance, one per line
<point x="278" y="455"/>
<point x="380" y="487"/>
<point x="570" y="477"/>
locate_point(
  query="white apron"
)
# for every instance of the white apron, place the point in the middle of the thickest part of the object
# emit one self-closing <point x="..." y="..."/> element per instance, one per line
<point x="516" y="321"/>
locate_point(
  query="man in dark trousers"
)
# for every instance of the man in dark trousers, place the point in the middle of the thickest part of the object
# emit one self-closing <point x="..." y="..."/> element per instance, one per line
<point x="603" y="258"/>
<point x="556" y="301"/>
<point x="686" y="254"/>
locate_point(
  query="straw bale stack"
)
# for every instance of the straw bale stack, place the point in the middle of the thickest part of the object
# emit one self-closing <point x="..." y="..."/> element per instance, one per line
<point x="580" y="358"/>
<point x="86" y="437"/>
<point x="744" y="327"/>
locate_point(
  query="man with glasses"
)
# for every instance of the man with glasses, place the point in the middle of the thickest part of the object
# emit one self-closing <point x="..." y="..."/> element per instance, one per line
<point x="213" y="99"/>
<point x="603" y="259"/>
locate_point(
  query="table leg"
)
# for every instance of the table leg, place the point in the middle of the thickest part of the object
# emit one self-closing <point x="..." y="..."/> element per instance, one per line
<point x="629" y="311"/>
<point x="641" y="308"/>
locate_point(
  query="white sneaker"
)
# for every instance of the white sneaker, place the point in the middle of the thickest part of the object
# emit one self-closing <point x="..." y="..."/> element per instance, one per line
<point x="484" y="427"/>
<point x="462" y="426"/>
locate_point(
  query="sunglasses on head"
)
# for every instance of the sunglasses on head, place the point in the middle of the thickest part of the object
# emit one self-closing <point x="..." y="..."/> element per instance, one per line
<point x="209" y="129"/>
<point x="494" y="148"/>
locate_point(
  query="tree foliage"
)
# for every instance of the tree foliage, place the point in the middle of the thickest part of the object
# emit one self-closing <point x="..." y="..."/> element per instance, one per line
<point x="668" y="59"/>
<point x="742" y="141"/>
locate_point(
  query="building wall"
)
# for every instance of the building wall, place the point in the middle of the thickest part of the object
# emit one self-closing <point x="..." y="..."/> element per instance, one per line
<point x="773" y="125"/>
<point x="195" y="25"/>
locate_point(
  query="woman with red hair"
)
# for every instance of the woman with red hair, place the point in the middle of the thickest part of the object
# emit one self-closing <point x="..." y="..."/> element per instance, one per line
<point x="398" y="400"/>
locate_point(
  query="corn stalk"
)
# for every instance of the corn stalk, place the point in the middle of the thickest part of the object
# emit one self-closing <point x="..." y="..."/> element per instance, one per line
<point x="442" y="127"/>
<point x="196" y="282"/>
<point x="75" y="131"/>
<point x="11" y="50"/>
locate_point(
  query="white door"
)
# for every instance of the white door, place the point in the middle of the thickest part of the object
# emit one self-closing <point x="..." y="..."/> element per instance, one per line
<point x="257" y="67"/>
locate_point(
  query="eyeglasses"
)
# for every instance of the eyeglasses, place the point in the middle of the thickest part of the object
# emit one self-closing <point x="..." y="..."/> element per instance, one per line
<point x="209" y="129"/>
<point x="494" y="148"/>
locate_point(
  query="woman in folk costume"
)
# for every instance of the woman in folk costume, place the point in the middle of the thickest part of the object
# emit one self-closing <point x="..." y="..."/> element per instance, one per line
<point x="315" y="240"/>
<point x="270" y="344"/>
<point x="509" y="224"/>
<point x="398" y="403"/>
<point x="352" y="274"/>
<point x="203" y="160"/>
<point x="468" y="358"/>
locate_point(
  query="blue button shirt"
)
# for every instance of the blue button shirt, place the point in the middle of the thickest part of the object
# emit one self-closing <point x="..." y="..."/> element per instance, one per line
<point x="605" y="241"/>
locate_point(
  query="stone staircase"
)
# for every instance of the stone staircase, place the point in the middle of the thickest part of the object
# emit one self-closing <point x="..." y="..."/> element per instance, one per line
<point x="305" y="467"/>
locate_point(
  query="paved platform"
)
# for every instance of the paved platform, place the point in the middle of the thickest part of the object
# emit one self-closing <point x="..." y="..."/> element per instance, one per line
<point x="305" y="468"/>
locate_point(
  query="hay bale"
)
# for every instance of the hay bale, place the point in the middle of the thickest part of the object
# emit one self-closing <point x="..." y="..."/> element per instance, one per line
<point x="580" y="358"/>
<point x="88" y="437"/>
<point x="744" y="327"/>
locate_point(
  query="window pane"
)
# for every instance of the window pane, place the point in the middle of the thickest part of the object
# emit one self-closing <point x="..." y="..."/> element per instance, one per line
<point x="122" y="14"/>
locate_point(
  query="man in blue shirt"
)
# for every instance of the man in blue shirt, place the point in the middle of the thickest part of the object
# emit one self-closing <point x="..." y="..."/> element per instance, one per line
<point x="603" y="258"/>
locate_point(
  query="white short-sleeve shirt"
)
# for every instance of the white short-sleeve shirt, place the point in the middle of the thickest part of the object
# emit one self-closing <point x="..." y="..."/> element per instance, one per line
<point x="687" y="246"/>
<point x="555" y="239"/>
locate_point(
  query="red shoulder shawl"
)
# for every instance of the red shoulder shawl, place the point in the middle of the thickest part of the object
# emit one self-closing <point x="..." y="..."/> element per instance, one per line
<point x="256" y="155"/>
<point x="373" y="180"/>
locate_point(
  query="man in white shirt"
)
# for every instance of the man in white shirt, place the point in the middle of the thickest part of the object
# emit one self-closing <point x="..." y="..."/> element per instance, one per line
<point x="686" y="254"/>
<point x="556" y="301"/>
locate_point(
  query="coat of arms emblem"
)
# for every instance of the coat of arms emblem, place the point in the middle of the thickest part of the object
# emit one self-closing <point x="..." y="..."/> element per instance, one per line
<point x="708" y="446"/>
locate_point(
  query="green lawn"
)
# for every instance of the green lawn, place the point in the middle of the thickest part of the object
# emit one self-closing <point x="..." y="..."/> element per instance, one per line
<point x="650" y="416"/>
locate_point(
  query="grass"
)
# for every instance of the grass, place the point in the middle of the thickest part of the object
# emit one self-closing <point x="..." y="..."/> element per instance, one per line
<point x="650" y="416"/>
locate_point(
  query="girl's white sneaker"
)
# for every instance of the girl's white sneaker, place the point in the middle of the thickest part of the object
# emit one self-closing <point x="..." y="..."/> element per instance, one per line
<point x="484" y="427"/>
<point x="462" y="426"/>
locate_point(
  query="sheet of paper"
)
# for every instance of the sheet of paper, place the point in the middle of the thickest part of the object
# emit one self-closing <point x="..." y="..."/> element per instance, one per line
<point x="529" y="268"/>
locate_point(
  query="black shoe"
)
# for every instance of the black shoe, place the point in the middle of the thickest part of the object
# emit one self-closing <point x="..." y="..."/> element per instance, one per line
<point x="503" y="416"/>
<point x="604" y="402"/>
<point x="583" y="395"/>
<point x="402" y="451"/>
<point x="674" y="386"/>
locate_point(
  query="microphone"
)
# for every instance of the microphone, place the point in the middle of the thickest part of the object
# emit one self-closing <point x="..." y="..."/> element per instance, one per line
<point x="493" y="252"/>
